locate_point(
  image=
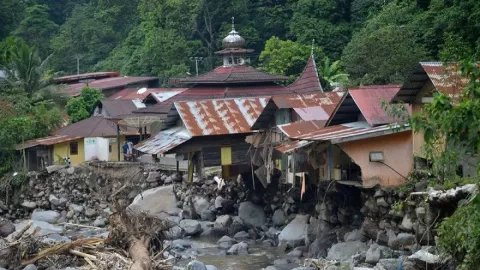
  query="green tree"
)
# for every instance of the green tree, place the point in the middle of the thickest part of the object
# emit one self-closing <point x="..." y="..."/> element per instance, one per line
<point x="37" y="28"/>
<point x="326" y="21"/>
<point x="24" y="70"/>
<point x="286" y="57"/>
<point x="79" y="108"/>
<point x="331" y="74"/>
<point x="11" y="13"/>
<point x="386" y="55"/>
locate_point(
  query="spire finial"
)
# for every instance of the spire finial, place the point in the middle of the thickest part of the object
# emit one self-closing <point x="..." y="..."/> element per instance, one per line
<point x="313" y="45"/>
<point x="233" y="23"/>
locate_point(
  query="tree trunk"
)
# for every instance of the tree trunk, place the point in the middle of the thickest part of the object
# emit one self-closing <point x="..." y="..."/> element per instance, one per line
<point x="139" y="253"/>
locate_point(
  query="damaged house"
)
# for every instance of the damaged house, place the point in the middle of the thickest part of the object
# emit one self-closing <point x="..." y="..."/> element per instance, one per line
<point x="358" y="145"/>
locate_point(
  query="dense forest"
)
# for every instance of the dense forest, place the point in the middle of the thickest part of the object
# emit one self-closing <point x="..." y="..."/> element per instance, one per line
<point x="376" y="41"/>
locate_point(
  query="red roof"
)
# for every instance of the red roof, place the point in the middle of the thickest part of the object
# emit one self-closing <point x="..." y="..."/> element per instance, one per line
<point x="369" y="100"/>
<point x="308" y="82"/>
<point x="234" y="51"/>
<point x="234" y="74"/>
<point x="85" y="76"/>
<point x="327" y="101"/>
<point x="221" y="116"/>
<point x="104" y="84"/>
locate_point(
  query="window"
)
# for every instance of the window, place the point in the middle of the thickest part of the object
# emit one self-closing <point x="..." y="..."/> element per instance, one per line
<point x="74" y="148"/>
<point x="226" y="155"/>
<point x="109" y="148"/>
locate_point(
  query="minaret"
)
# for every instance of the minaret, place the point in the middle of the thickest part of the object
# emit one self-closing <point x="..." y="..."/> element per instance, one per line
<point x="234" y="53"/>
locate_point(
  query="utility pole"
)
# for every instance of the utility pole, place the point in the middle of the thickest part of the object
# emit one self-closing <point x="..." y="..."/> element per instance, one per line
<point x="196" y="59"/>
<point x="78" y="64"/>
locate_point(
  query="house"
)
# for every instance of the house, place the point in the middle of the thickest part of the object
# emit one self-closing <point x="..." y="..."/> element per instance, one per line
<point x="108" y="82"/>
<point x="360" y="144"/>
<point x="93" y="138"/>
<point x="418" y="90"/>
<point x="208" y="133"/>
<point x="113" y="108"/>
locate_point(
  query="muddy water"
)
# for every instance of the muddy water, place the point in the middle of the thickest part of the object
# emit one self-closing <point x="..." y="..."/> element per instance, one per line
<point x="259" y="257"/>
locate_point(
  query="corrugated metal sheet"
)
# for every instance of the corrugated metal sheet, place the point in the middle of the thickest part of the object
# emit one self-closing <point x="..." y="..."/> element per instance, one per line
<point x="340" y="133"/>
<point x="104" y="84"/>
<point x="293" y="145"/>
<point x="312" y="113"/>
<point x="161" y="96"/>
<point x="221" y="116"/>
<point x="446" y="79"/>
<point x="369" y="100"/>
<point x="299" y="128"/>
<point x="164" y="141"/>
<point x="131" y="93"/>
<point x="84" y="76"/>
<point x="46" y="141"/>
<point x="327" y="101"/>
<point x="95" y="126"/>
<point x="234" y="74"/>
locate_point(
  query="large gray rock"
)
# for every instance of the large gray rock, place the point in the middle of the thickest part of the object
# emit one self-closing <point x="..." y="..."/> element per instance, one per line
<point x="200" y="204"/>
<point x="207" y="215"/>
<point x="355" y="235"/>
<point x="295" y="233"/>
<point x="225" y="242"/>
<point x="370" y="229"/>
<point x="401" y="240"/>
<point x="47" y="216"/>
<point x="223" y="221"/>
<point x="196" y="265"/>
<point x="29" y="205"/>
<point x="319" y="247"/>
<point x="76" y="208"/>
<point x="30" y="267"/>
<point x="190" y="226"/>
<point x="240" y="236"/>
<point x="251" y="214"/>
<point x="279" y="218"/>
<point x="374" y="254"/>
<point x="210" y="267"/>
<point x="407" y="224"/>
<point x="153" y="177"/>
<point x="174" y="233"/>
<point x="388" y="264"/>
<point x="218" y="202"/>
<point x="238" y="249"/>
<point x="344" y="251"/>
<point x="54" y="200"/>
<point x="156" y="202"/>
<point x="6" y="228"/>
<point x="424" y="257"/>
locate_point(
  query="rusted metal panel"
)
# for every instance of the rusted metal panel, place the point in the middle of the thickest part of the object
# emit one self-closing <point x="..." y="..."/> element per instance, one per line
<point x="295" y="129"/>
<point x="327" y="101"/>
<point x="308" y="82"/>
<point x="164" y="141"/>
<point x="369" y="100"/>
<point x="312" y="113"/>
<point x="446" y="78"/>
<point x="339" y="133"/>
<point x="46" y="141"/>
<point x="234" y="74"/>
<point x="222" y="116"/>
<point x="293" y="145"/>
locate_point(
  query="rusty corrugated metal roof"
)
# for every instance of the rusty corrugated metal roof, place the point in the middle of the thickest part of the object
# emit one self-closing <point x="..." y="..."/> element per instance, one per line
<point x="95" y="126"/>
<point x="221" y="116"/>
<point x="164" y="141"/>
<point x="308" y="82"/>
<point x="446" y="78"/>
<point x="293" y="145"/>
<point x="104" y="84"/>
<point x="46" y="141"/>
<point x="327" y="101"/>
<point x="369" y="100"/>
<point x="84" y="76"/>
<point x="234" y="74"/>
<point x="339" y="133"/>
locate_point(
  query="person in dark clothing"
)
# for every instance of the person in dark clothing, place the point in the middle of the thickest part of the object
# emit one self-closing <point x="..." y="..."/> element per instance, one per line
<point x="125" y="151"/>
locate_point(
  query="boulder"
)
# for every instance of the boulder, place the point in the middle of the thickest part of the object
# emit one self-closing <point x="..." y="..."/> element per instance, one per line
<point x="272" y="233"/>
<point x="54" y="200"/>
<point x="355" y="235"/>
<point x="6" y="228"/>
<point x="317" y="227"/>
<point x="218" y="202"/>
<point x="155" y="202"/>
<point x="100" y="222"/>
<point x="89" y="212"/>
<point x="225" y="242"/>
<point x="344" y="251"/>
<point x="223" y="221"/>
<point x="210" y="267"/>
<point x="207" y="215"/>
<point x="196" y="265"/>
<point x="30" y="267"/>
<point x="29" y="205"/>
<point x="236" y="226"/>
<point x="279" y="218"/>
<point x="381" y="202"/>
<point x="370" y="229"/>
<point x="238" y="249"/>
<point x="296" y="253"/>
<point x="240" y="236"/>
<point x="182" y="243"/>
<point x="319" y="247"/>
<point x="401" y="240"/>
<point x="374" y="254"/>
<point x="76" y="208"/>
<point x="407" y="224"/>
<point x="47" y="216"/>
<point x="214" y="232"/>
<point x="251" y="214"/>
<point x="200" y="204"/>
<point x="174" y="233"/>
<point x="295" y="233"/>
<point x="153" y="177"/>
<point x="388" y="264"/>
<point x="190" y="226"/>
